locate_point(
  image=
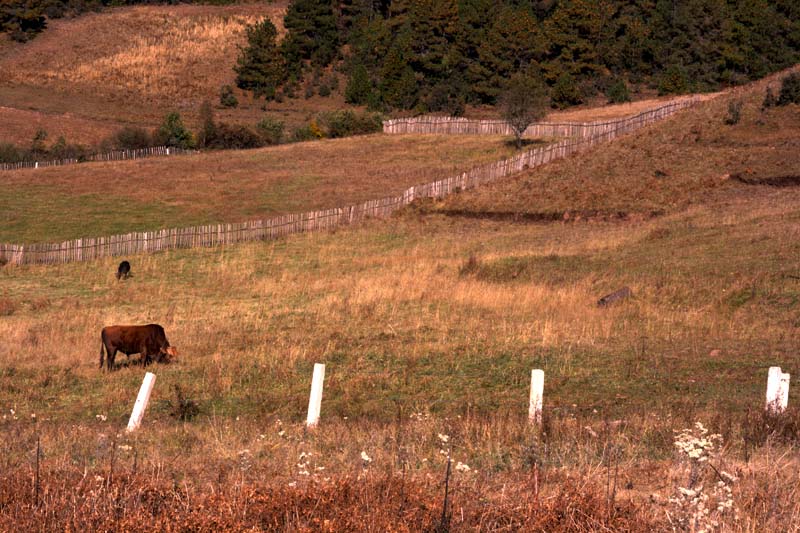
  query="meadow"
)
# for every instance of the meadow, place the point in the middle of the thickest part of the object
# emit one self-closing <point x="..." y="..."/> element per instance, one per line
<point x="429" y="324"/>
<point x="96" y="199"/>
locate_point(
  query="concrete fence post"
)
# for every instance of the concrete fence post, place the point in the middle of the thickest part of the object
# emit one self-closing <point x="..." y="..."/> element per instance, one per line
<point x="315" y="400"/>
<point x="537" y="392"/>
<point x="141" y="401"/>
<point x="777" y="390"/>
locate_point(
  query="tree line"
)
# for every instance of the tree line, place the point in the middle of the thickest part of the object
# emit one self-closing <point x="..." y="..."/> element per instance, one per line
<point x="439" y="55"/>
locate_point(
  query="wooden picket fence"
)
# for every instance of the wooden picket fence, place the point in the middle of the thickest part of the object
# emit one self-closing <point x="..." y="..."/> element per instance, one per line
<point x="429" y="124"/>
<point x="272" y="228"/>
<point x="116" y="155"/>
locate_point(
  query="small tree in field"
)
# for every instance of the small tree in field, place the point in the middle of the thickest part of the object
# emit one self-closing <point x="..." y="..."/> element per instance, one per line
<point x="523" y="102"/>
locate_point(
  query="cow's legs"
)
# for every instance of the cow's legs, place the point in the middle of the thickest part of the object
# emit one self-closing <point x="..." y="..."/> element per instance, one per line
<point x="112" y="353"/>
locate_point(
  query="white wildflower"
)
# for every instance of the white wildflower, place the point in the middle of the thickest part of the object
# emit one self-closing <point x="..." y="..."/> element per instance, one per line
<point x="101" y="418"/>
<point x="366" y="458"/>
<point x="461" y="467"/>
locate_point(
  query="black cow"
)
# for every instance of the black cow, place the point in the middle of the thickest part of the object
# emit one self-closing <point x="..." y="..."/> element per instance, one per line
<point x="150" y="341"/>
<point x="123" y="270"/>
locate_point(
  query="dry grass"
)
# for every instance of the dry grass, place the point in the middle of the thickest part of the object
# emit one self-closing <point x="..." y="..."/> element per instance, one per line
<point x="144" y="52"/>
<point x="20" y="126"/>
<point x="110" y="198"/>
<point x="416" y="345"/>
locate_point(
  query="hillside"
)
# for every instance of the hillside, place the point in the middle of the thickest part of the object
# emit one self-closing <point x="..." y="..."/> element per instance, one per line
<point x="429" y="324"/>
<point x="96" y="199"/>
<point x="680" y="162"/>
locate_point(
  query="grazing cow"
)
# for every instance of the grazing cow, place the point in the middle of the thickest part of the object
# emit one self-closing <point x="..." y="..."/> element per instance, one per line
<point x="150" y="341"/>
<point x="123" y="270"/>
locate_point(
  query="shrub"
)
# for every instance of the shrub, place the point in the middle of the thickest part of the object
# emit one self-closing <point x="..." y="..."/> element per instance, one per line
<point x="271" y="130"/>
<point x="673" y="81"/>
<point x="324" y="90"/>
<point x="790" y="90"/>
<point x="769" y="99"/>
<point x="132" y="138"/>
<point x="309" y="91"/>
<point x="62" y="150"/>
<point x="617" y="92"/>
<point x="565" y="92"/>
<point x="311" y="132"/>
<point x="734" y="113"/>
<point x="10" y="153"/>
<point x="226" y="97"/>
<point x="172" y="132"/>
<point x="234" y="137"/>
<point x="359" y="86"/>
<point x="346" y="123"/>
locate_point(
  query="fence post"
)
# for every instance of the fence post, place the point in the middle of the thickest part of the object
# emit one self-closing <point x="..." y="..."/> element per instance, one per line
<point x="141" y="401"/>
<point x="777" y="390"/>
<point x="537" y="392"/>
<point x="315" y="400"/>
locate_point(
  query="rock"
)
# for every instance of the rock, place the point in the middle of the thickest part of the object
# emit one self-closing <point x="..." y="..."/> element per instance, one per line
<point x="608" y="299"/>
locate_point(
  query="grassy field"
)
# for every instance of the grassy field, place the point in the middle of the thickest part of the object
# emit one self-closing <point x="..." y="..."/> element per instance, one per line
<point x="95" y="199"/>
<point x="429" y="324"/>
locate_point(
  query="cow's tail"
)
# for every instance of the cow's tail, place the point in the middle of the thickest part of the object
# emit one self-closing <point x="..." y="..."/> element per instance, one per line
<point x="102" y="346"/>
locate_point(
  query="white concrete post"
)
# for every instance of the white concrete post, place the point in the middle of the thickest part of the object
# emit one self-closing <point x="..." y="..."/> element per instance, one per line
<point x="37" y="165"/>
<point x="777" y="390"/>
<point x="315" y="400"/>
<point x="141" y="401"/>
<point x="537" y="392"/>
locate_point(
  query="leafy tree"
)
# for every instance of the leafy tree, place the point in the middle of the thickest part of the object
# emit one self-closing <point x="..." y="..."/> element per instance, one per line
<point x="131" y="138"/>
<point x="208" y="131"/>
<point x="172" y="132"/>
<point x="522" y="102"/>
<point x="260" y="67"/>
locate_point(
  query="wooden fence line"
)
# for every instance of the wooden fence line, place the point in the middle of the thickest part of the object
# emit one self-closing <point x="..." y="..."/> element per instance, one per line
<point x="429" y="124"/>
<point x="87" y="249"/>
<point x="116" y="155"/>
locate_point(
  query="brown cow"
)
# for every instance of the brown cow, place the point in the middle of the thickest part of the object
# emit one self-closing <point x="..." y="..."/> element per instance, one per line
<point x="149" y="341"/>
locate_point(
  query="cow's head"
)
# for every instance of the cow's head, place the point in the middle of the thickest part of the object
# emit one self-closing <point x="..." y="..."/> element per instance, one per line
<point x="168" y="354"/>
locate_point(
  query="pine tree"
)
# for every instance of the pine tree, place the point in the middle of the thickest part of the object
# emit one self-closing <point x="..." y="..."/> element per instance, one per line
<point x="398" y="85"/>
<point x="260" y="66"/>
<point x="312" y="34"/>
<point x="513" y="44"/>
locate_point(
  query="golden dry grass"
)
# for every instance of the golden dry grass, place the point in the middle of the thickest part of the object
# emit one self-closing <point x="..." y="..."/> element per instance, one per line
<point x="174" y="53"/>
<point x="20" y="126"/>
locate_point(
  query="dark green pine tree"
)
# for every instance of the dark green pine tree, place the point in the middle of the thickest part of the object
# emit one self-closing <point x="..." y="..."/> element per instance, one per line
<point x="433" y="27"/>
<point x="260" y="66"/>
<point x="513" y="44"/>
<point x="398" y="85"/>
<point x="21" y="19"/>
<point x="312" y="35"/>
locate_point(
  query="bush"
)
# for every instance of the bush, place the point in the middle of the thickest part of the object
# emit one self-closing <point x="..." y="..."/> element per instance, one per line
<point x="10" y="153"/>
<point x="271" y="130"/>
<point x="311" y="132"/>
<point x="346" y="123"/>
<point x="234" y="137"/>
<point x="565" y="92"/>
<point x="617" y="92"/>
<point x="172" y="132"/>
<point x="226" y="97"/>
<point x="673" y="81"/>
<point x="131" y="138"/>
<point x="62" y="150"/>
<point x="734" y="113"/>
<point x="769" y="99"/>
<point x="790" y="90"/>
<point x="324" y="90"/>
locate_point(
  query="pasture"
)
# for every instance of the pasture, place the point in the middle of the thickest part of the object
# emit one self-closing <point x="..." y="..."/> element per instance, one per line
<point x="96" y="199"/>
<point x="429" y="324"/>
